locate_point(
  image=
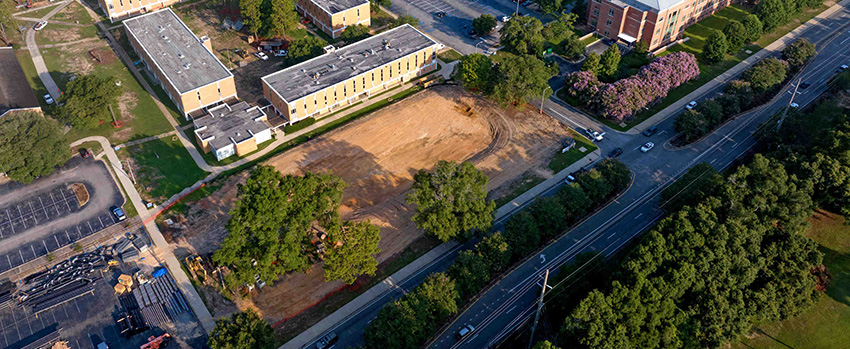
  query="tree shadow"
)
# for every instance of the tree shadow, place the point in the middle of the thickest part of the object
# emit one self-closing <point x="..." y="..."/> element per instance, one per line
<point x="839" y="266"/>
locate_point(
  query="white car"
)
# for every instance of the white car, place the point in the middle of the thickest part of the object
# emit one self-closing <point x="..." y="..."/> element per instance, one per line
<point x="843" y="67"/>
<point x="594" y="135"/>
<point x="795" y="105"/>
<point x="505" y="18"/>
<point x="280" y="53"/>
<point x="47" y="98"/>
<point x="647" y="147"/>
<point x="464" y="331"/>
<point x="40" y="25"/>
<point x="262" y="55"/>
<point x="691" y="105"/>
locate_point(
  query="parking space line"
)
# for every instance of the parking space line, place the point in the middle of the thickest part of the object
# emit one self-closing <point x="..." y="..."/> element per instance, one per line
<point x="68" y="235"/>
<point x="22" y="256"/>
<point x="33" y="213"/>
<point x="21" y="215"/>
<point x="45" y="246"/>
<point x="55" y="206"/>
<point x="43" y="208"/>
<point x="65" y="199"/>
<point x="9" y="217"/>
<point x="34" y="255"/>
<point x="3" y="327"/>
<point x="57" y="241"/>
<point x="10" y="261"/>
<point x="101" y="222"/>
<point x="80" y="233"/>
<point x="90" y="228"/>
<point x="77" y="305"/>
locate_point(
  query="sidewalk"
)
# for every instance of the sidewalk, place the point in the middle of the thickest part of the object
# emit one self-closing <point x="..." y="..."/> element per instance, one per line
<point x="728" y="75"/>
<point x="38" y="61"/>
<point x="332" y="321"/>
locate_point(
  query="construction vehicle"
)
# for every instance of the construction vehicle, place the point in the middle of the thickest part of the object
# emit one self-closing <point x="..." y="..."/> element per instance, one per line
<point x="156" y="342"/>
<point x="196" y="267"/>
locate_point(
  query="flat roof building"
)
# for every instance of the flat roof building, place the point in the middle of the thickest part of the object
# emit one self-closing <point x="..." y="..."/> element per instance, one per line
<point x="15" y="92"/>
<point x="344" y="75"/>
<point x="117" y="10"/>
<point x="232" y="129"/>
<point x="184" y="64"/>
<point x="333" y="16"/>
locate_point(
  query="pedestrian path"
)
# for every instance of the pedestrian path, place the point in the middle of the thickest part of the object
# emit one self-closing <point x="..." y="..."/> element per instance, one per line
<point x="38" y="61"/>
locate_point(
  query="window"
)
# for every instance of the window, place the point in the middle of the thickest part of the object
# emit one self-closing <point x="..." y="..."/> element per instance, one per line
<point x="611" y="12"/>
<point x="596" y="11"/>
<point x="358" y="13"/>
<point x="608" y="23"/>
<point x="607" y="33"/>
<point x="593" y="22"/>
<point x="292" y="112"/>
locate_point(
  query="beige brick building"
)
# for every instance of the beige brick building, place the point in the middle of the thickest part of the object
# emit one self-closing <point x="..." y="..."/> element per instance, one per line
<point x="117" y="10"/>
<point x="333" y="16"/>
<point x="184" y="64"/>
<point x="341" y="77"/>
<point x="232" y="129"/>
<point x="655" y="22"/>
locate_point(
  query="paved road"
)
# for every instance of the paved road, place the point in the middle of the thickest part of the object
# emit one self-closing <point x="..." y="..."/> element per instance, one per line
<point x="510" y="302"/>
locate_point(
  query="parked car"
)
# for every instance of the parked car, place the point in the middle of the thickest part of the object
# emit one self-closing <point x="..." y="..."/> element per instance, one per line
<point x="328" y="341"/>
<point x="280" y="53"/>
<point x="615" y="153"/>
<point x="647" y="147"/>
<point x="40" y="25"/>
<point x="570" y="179"/>
<point x="47" y="98"/>
<point x="262" y="55"/>
<point x="440" y="14"/>
<point x="464" y="331"/>
<point x="650" y="131"/>
<point x="594" y="135"/>
<point x="84" y="153"/>
<point x="119" y="214"/>
<point x="691" y="105"/>
<point x="805" y="85"/>
<point x="505" y="18"/>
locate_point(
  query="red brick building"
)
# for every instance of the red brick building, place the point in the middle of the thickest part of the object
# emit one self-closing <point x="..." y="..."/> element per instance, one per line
<point x="655" y="22"/>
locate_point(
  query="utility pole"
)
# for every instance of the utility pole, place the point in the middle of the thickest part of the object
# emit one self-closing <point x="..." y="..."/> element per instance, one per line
<point x="785" y="113"/>
<point x="539" y="308"/>
<point x="543" y="98"/>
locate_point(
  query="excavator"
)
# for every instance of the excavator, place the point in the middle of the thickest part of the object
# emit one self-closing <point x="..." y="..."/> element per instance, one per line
<point x="156" y="342"/>
<point x="196" y="267"/>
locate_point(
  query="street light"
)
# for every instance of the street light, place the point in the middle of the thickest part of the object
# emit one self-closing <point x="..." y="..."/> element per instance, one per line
<point x="481" y="41"/>
<point x="543" y="98"/>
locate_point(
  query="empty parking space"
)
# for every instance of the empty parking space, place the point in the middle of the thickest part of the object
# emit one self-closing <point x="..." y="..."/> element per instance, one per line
<point x="37" y="209"/>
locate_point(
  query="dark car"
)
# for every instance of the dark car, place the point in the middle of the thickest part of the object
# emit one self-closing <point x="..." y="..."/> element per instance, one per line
<point x="328" y="341"/>
<point x="84" y="153"/>
<point x="615" y="153"/>
<point x="805" y="85"/>
<point x="650" y="131"/>
<point x="440" y="14"/>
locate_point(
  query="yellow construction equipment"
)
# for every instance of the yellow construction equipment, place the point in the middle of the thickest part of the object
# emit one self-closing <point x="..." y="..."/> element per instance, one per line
<point x="196" y="267"/>
<point x="156" y="342"/>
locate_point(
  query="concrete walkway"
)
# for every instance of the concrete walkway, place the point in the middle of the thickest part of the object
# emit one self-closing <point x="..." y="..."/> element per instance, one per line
<point x="330" y="322"/>
<point x="730" y="74"/>
<point x="38" y="61"/>
<point x="165" y="251"/>
<point x="31" y="19"/>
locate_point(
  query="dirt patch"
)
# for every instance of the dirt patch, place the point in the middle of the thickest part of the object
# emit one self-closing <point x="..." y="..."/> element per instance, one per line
<point x="103" y="56"/>
<point x="80" y="192"/>
<point x="377" y="157"/>
<point x="63" y="34"/>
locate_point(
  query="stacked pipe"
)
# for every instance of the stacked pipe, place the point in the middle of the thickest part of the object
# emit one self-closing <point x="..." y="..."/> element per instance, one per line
<point x="65" y="281"/>
<point x="160" y="300"/>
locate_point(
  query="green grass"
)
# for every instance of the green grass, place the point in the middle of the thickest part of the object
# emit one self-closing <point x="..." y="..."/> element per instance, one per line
<point x="449" y="56"/>
<point x="163" y="167"/>
<point x="826" y="324"/>
<point x="528" y="180"/>
<point x="380" y="19"/>
<point x="48" y="35"/>
<point x="296" y="34"/>
<point x="73" y="13"/>
<point x="563" y="160"/>
<point x="32" y="78"/>
<point x="40" y="12"/>
<point x="593" y="38"/>
<point x="167" y="102"/>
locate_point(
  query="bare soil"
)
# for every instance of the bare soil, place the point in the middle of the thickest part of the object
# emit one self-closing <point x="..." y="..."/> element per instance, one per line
<point x="103" y="56"/>
<point x="80" y="192"/>
<point x="377" y="157"/>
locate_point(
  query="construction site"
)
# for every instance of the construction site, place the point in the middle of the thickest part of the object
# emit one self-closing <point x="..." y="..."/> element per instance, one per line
<point x="377" y="157"/>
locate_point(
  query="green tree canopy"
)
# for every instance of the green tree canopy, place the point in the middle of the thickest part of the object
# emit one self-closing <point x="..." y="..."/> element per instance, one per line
<point x="87" y="99"/>
<point x="470" y="273"/>
<point x="356" y="256"/>
<point x="799" y="52"/>
<point x="595" y="186"/>
<point x="715" y="48"/>
<point x="355" y="33"/>
<point x="8" y="23"/>
<point x="406" y="19"/>
<point x="244" y="330"/>
<point x="305" y="48"/>
<point x="252" y="15"/>
<point x="610" y="61"/>
<point x="700" y="182"/>
<point x="772" y="13"/>
<point x="575" y="201"/>
<point x="451" y="200"/>
<point x="691" y="124"/>
<point x="766" y="74"/>
<point x="522" y="234"/>
<point x="523" y="35"/>
<point x="281" y="16"/>
<point x="736" y="36"/>
<point x="495" y="251"/>
<point x="31" y="146"/>
<point x="550" y="6"/>
<point x="549" y="215"/>
<point x="559" y="29"/>
<point x="484" y="24"/>
<point x="544" y="345"/>
<point x="521" y="77"/>
<point x="753" y="27"/>
<point x="592" y="63"/>
<point x="615" y="173"/>
<point x="711" y="110"/>
<point x="573" y="47"/>
<point x="476" y="72"/>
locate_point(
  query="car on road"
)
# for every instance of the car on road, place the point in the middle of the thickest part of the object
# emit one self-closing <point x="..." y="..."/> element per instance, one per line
<point x="118" y="213"/>
<point x="47" y="98"/>
<point x="843" y="67"/>
<point x="594" y="135"/>
<point x="615" y="153"/>
<point x="262" y="55"/>
<point x="691" y="105"/>
<point x="84" y="153"/>
<point x="440" y="14"/>
<point x="505" y="18"/>
<point x="650" y="131"/>
<point x="40" y="25"/>
<point x="328" y="341"/>
<point x="570" y="179"/>
<point x="805" y="85"/>
<point x="647" y="147"/>
<point x="527" y="2"/>
<point x="464" y="331"/>
<point x="795" y="105"/>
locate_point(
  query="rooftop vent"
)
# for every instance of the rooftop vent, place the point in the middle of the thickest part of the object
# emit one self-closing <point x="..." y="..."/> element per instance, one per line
<point x="179" y="71"/>
<point x="353" y="68"/>
<point x="333" y="66"/>
<point x="181" y="55"/>
<point x="164" y="37"/>
<point x="187" y="66"/>
<point x="372" y="51"/>
<point x="315" y="76"/>
<point x="329" y="48"/>
<point x="161" y="29"/>
<point x="386" y="44"/>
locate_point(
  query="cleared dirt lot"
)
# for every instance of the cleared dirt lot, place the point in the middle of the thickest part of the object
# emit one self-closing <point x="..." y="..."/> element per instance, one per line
<point x="377" y="156"/>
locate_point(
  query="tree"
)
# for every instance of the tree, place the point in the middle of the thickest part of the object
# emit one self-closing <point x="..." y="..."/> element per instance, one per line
<point x="550" y="6"/>
<point x="354" y="33"/>
<point x="711" y="110"/>
<point x="439" y="291"/>
<point x="281" y="16"/>
<point x="356" y="256"/>
<point x="31" y="146"/>
<point x="544" y="345"/>
<point x="575" y="202"/>
<point x="495" y="251"/>
<point x="559" y="29"/>
<point x="610" y="60"/>
<point x="766" y="74"/>
<point x="305" y="48"/>
<point x="772" y="14"/>
<point x="522" y="234"/>
<point x="736" y="36"/>
<point x="641" y="48"/>
<point x="549" y="215"/>
<point x="376" y="3"/>
<point x="520" y="77"/>
<point x="799" y="52"/>
<point x="244" y="330"/>
<point x="470" y="273"/>
<point x="595" y="186"/>
<point x="406" y="19"/>
<point x="715" y="48"/>
<point x="87" y="99"/>
<point x="691" y="125"/>
<point x="7" y="21"/>
<point x="615" y="173"/>
<point x="593" y="63"/>
<point x="252" y="15"/>
<point x="484" y="24"/>
<point x="753" y="27"/>
<point x="580" y="9"/>
<point x="451" y="200"/>
<point x="476" y="72"/>
<point x="730" y="104"/>
<point x="522" y="35"/>
<point x="573" y="47"/>
<point x="700" y="182"/>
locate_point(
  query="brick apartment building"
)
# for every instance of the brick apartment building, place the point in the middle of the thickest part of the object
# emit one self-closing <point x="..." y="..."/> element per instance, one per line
<point x="184" y="64"/>
<point x="117" y="10"/>
<point x="15" y="93"/>
<point x="655" y="22"/>
<point x="333" y="16"/>
<point x="341" y="77"/>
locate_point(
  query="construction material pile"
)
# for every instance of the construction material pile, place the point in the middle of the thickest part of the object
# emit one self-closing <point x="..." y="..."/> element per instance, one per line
<point x="66" y="281"/>
<point x="7" y="290"/>
<point x="130" y="321"/>
<point x="159" y="299"/>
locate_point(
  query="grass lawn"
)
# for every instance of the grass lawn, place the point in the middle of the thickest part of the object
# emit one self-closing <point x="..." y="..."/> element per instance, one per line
<point x="70" y="33"/>
<point x="40" y="12"/>
<point x="163" y="167"/>
<point x="528" y="180"/>
<point x="562" y="160"/>
<point x="449" y="56"/>
<point x="296" y="34"/>
<point x="379" y="19"/>
<point x="32" y="78"/>
<point x="73" y="13"/>
<point x="826" y="324"/>
<point x="593" y="38"/>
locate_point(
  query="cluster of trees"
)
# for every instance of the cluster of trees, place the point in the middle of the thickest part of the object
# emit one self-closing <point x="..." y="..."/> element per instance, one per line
<point x="8" y="23"/>
<point x="243" y="330"/>
<point x="757" y="84"/>
<point x="526" y="35"/>
<point x="305" y="48"/>
<point x="514" y="79"/>
<point x="355" y="32"/>
<point x="604" y="66"/>
<point x="271" y="227"/>
<point x="269" y="18"/>
<point x="484" y="24"/>
<point x="624" y="97"/>
<point x="87" y="100"/>
<point x="553" y="7"/>
<point x="31" y="146"/>
<point x="775" y="13"/>
<point x="709" y="271"/>
<point x="410" y="321"/>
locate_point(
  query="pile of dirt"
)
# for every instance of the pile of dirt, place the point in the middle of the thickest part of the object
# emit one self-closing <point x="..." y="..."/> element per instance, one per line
<point x="80" y="192"/>
<point x="103" y="56"/>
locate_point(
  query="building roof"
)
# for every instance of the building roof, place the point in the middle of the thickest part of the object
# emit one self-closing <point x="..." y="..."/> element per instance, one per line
<point x="331" y="68"/>
<point x="230" y="124"/>
<point x="334" y="6"/>
<point x="15" y="92"/>
<point x="648" y="5"/>
<point x="175" y="50"/>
